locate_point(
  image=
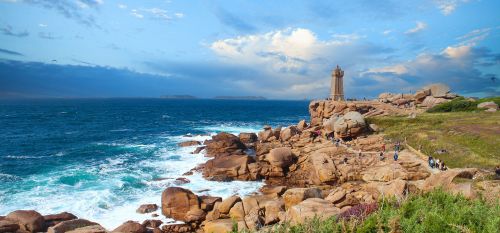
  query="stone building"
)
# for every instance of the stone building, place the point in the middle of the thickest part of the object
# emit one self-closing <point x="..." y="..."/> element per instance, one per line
<point x="337" y="86"/>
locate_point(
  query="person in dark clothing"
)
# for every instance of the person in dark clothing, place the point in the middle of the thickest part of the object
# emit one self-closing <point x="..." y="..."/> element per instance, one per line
<point x="497" y="172"/>
<point x="431" y="161"/>
<point x="396" y="156"/>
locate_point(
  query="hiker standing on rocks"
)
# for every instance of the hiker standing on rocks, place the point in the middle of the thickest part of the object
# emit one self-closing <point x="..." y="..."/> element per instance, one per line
<point x="396" y="155"/>
<point x="381" y="155"/>
<point x="397" y="146"/>
<point x="438" y="163"/>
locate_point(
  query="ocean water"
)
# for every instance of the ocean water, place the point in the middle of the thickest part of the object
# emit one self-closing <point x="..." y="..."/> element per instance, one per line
<point x="101" y="158"/>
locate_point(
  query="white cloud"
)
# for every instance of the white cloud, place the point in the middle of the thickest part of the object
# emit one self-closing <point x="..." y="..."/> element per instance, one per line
<point x="448" y="6"/>
<point x="457" y="52"/>
<point x="43" y="25"/>
<point x="387" y="32"/>
<point x="282" y="50"/>
<point x="156" y="13"/>
<point x="396" y="69"/>
<point x="122" y="6"/>
<point x="419" y="27"/>
<point x="473" y="37"/>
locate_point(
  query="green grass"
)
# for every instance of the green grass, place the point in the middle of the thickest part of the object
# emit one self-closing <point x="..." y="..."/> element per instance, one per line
<point x="471" y="138"/>
<point x="436" y="211"/>
<point x="461" y="104"/>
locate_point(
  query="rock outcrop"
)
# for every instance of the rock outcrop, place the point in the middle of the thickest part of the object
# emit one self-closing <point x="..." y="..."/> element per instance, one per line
<point x="27" y="220"/>
<point x="224" y="144"/>
<point x="350" y="125"/>
<point x="176" y="202"/>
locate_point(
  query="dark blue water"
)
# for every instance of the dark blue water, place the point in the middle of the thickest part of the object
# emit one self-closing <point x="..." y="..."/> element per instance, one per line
<point x="100" y="158"/>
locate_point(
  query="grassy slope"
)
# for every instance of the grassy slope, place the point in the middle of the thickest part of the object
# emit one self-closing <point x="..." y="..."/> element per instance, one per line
<point x="472" y="139"/>
<point x="436" y="211"/>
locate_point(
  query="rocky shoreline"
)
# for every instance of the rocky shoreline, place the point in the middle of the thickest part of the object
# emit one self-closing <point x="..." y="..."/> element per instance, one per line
<point x="305" y="175"/>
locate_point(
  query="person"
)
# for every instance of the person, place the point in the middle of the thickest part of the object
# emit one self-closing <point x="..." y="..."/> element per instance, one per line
<point x="431" y="161"/>
<point x="383" y="147"/>
<point x="443" y="167"/>
<point x="337" y="142"/>
<point x="313" y="135"/>
<point x="497" y="172"/>
<point x="438" y="163"/>
<point x="396" y="146"/>
<point x="345" y="160"/>
<point x="396" y="155"/>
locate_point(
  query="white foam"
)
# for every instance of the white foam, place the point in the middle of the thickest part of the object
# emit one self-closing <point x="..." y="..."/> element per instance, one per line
<point x="102" y="195"/>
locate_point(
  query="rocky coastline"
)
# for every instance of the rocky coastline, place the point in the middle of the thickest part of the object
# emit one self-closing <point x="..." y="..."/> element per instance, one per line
<point x="304" y="172"/>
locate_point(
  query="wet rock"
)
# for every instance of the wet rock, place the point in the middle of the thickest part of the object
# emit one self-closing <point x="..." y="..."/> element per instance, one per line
<point x="152" y="223"/>
<point x="70" y="225"/>
<point x="248" y="137"/>
<point x="198" y="149"/>
<point x="224" y="144"/>
<point x="8" y="226"/>
<point x="189" y="143"/>
<point x="53" y="219"/>
<point x="28" y="220"/>
<point x="177" y="228"/>
<point x="227" y="168"/>
<point x="130" y="227"/>
<point x="147" y="208"/>
<point x="176" y="202"/>
<point x="181" y="181"/>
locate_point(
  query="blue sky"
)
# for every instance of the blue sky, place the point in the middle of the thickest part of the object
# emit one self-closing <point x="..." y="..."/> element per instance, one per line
<point x="277" y="49"/>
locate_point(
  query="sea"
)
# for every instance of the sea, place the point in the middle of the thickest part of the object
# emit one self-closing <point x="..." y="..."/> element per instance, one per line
<point x="100" y="159"/>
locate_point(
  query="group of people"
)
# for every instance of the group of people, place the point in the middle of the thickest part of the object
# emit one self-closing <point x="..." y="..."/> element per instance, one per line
<point x="436" y="163"/>
<point x="397" y="148"/>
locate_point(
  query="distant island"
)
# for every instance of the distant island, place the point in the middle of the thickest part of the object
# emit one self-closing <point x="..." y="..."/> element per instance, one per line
<point x="240" y="98"/>
<point x="178" y="97"/>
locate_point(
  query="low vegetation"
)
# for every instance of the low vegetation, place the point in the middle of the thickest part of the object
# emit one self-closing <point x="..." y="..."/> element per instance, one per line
<point x="460" y="139"/>
<point x="462" y="104"/>
<point x="436" y="211"/>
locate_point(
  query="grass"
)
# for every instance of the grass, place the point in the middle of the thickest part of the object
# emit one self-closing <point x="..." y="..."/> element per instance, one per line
<point x="470" y="138"/>
<point x="461" y="104"/>
<point x="436" y="211"/>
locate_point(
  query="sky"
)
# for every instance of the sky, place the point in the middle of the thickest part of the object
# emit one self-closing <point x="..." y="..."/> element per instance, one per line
<point x="277" y="49"/>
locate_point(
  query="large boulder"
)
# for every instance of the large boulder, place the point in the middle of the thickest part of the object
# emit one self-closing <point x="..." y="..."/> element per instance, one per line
<point x="130" y="227"/>
<point x="302" y="125"/>
<point x="310" y="208"/>
<point x="488" y="105"/>
<point x="280" y="157"/>
<point x="431" y="101"/>
<point x="289" y="132"/>
<point x="70" y="225"/>
<point x="176" y="202"/>
<point x="53" y="219"/>
<point x="248" y="137"/>
<point x="28" y="220"/>
<point x="266" y="134"/>
<point x="393" y="188"/>
<point x="147" y="208"/>
<point x="421" y="94"/>
<point x="227" y="168"/>
<point x="324" y="170"/>
<point x="225" y="206"/>
<point x="8" y="226"/>
<point x="224" y="144"/>
<point x="189" y="143"/>
<point x="296" y="195"/>
<point x="273" y="210"/>
<point x="350" y="125"/>
<point x="439" y="90"/>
